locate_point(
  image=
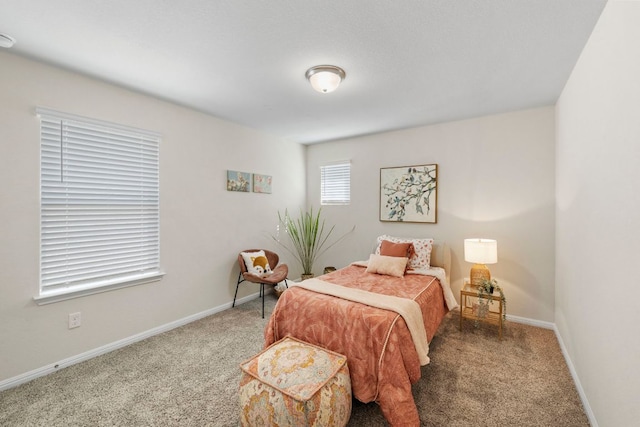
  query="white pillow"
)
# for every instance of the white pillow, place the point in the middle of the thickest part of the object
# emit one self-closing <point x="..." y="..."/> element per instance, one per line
<point x="256" y="262"/>
<point x="389" y="265"/>
<point x="421" y="250"/>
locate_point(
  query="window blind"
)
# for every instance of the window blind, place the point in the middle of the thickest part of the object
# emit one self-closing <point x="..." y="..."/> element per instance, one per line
<point x="99" y="203"/>
<point x="335" y="184"/>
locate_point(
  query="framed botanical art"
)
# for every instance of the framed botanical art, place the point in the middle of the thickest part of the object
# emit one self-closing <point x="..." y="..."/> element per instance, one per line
<point x="238" y="181"/>
<point x="261" y="183"/>
<point x="409" y="194"/>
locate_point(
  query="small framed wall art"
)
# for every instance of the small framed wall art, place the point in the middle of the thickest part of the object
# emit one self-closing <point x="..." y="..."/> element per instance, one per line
<point x="261" y="183"/>
<point x="409" y="194"/>
<point x="238" y="181"/>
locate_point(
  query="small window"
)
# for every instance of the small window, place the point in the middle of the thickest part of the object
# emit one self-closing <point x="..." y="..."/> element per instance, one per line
<point x="335" y="184"/>
<point x="99" y="206"/>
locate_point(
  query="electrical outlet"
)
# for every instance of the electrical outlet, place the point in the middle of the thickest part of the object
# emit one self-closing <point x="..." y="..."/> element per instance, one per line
<point x="74" y="320"/>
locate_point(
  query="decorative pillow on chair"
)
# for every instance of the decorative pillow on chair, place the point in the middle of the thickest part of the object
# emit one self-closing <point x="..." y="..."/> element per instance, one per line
<point x="389" y="265"/>
<point x="256" y="262"/>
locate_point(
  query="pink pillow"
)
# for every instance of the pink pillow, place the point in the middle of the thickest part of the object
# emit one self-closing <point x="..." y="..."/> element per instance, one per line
<point x="388" y="248"/>
<point x="389" y="265"/>
<point x="421" y="257"/>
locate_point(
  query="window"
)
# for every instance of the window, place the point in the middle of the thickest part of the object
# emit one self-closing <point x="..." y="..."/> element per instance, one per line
<point x="335" y="184"/>
<point x="99" y="206"/>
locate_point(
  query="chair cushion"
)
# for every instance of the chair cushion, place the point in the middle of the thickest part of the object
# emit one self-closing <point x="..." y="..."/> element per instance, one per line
<point x="276" y="276"/>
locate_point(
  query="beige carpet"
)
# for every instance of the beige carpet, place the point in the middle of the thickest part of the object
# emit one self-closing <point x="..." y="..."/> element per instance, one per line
<point x="189" y="377"/>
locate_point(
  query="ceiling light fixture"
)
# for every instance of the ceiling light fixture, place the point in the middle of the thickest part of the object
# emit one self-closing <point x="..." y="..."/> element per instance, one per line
<point x="6" y="41"/>
<point x="325" y="78"/>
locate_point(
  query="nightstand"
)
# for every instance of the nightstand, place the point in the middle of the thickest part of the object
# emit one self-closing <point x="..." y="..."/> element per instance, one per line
<point x="469" y="307"/>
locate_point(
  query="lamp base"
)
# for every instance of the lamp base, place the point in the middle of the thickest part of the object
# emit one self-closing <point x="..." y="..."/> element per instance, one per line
<point x="479" y="272"/>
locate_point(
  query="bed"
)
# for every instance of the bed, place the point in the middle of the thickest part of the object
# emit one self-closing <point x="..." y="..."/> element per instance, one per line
<point x="379" y="343"/>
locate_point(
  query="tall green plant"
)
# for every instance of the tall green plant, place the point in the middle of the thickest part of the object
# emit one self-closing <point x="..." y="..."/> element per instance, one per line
<point x="308" y="237"/>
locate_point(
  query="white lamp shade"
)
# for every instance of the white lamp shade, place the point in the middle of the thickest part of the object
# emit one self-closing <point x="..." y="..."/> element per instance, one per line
<point x="481" y="251"/>
<point x="325" y="81"/>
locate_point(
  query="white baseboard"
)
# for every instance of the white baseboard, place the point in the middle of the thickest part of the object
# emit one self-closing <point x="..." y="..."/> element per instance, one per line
<point x="576" y="380"/>
<point x="530" y="322"/>
<point x="46" y="370"/>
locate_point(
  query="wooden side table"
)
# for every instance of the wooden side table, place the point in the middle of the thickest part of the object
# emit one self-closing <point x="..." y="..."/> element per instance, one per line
<point x="469" y="308"/>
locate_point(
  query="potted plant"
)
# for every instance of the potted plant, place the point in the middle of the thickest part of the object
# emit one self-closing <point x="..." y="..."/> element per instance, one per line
<point x="486" y="288"/>
<point x="307" y="238"/>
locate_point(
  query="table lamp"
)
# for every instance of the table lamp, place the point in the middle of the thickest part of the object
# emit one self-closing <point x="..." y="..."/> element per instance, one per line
<point x="480" y="252"/>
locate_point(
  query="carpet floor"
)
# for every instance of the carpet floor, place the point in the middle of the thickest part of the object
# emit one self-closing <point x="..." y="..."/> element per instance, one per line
<point x="189" y="377"/>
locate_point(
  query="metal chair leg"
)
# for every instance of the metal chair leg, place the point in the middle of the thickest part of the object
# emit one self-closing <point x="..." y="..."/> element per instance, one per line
<point x="262" y="290"/>
<point x="237" y="286"/>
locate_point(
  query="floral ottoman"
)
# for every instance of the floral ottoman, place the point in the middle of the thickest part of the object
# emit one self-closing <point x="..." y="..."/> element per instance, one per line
<point x="294" y="383"/>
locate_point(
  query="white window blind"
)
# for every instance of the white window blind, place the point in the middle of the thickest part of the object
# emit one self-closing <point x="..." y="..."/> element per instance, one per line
<point x="100" y="221"/>
<point x="335" y="184"/>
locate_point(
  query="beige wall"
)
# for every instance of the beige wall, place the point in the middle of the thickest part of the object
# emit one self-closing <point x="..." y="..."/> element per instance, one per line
<point x="495" y="180"/>
<point x="202" y="225"/>
<point x="598" y="153"/>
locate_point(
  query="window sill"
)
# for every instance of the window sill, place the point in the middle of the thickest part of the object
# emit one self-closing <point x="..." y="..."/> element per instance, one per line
<point x="81" y="291"/>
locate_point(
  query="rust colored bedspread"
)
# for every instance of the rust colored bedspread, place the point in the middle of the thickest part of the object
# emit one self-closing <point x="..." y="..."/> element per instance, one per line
<point x="382" y="359"/>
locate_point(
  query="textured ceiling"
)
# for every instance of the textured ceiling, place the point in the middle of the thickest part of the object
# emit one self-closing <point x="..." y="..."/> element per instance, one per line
<point x="408" y="63"/>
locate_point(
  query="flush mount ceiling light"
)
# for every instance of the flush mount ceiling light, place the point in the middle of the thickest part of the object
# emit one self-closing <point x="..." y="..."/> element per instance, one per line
<point x="325" y="78"/>
<point x="6" y="41"/>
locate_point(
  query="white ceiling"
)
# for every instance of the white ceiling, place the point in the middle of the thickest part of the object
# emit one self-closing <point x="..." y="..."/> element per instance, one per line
<point x="408" y="62"/>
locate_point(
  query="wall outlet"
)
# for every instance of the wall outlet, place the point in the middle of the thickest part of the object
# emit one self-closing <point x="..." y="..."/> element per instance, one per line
<point x="74" y="320"/>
